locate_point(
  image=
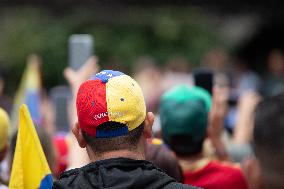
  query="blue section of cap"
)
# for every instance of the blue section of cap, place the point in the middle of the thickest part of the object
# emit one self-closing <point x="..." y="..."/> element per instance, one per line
<point x="46" y="182"/>
<point x="105" y="75"/>
<point x="113" y="133"/>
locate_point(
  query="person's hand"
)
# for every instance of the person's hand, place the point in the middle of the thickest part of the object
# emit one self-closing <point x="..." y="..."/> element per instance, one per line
<point x="75" y="78"/>
<point x="216" y="118"/>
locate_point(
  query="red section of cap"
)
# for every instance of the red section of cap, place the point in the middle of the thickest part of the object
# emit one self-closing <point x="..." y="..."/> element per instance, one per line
<point x="91" y="105"/>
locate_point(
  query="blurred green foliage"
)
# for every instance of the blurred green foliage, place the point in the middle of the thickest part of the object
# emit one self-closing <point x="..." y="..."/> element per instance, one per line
<point x="123" y="34"/>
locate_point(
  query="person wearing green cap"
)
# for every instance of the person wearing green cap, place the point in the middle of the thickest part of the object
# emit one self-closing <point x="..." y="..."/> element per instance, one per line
<point x="184" y="116"/>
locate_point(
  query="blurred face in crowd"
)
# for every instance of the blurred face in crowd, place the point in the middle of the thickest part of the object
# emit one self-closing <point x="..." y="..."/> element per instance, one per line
<point x="216" y="59"/>
<point x="276" y="62"/>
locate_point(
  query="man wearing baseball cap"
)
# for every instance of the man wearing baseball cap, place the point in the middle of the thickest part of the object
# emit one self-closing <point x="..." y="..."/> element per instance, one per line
<point x="113" y="127"/>
<point x="184" y="114"/>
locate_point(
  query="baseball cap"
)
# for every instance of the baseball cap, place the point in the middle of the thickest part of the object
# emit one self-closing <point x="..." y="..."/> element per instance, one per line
<point x="4" y="125"/>
<point x="184" y="111"/>
<point x="110" y="96"/>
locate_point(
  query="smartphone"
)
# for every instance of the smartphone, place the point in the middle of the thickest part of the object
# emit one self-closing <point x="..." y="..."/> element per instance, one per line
<point x="61" y="97"/>
<point x="203" y="78"/>
<point x="81" y="47"/>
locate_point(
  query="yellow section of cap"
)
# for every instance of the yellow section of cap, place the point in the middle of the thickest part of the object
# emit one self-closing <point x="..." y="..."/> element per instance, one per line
<point x="4" y="126"/>
<point x="125" y="101"/>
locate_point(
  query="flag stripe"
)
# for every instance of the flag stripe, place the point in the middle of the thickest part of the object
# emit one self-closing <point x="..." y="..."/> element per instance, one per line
<point x="46" y="182"/>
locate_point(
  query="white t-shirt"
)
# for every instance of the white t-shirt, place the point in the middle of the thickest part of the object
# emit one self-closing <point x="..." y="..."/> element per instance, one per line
<point x="3" y="186"/>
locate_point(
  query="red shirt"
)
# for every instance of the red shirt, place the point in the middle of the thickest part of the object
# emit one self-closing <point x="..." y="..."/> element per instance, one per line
<point x="216" y="175"/>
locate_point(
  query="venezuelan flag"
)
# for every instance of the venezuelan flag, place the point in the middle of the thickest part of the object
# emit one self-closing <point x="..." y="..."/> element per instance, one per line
<point x="30" y="169"/>
<point x="29" y="91"/>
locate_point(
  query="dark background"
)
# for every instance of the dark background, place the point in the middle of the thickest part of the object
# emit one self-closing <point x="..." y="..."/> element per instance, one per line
<point x="125" y="30"/>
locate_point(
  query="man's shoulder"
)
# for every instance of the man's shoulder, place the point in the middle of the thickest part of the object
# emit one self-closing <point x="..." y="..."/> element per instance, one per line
<point x="71" y="173"/>
<point x="130" y="173"/>
<point x="72" y="178"/>
<point x="66" y="179"/>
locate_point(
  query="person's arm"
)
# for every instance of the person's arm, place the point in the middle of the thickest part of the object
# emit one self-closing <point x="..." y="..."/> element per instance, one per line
<point x="217" y="115"/>
<point x="244" y="124"/>
<point x="77" y="155"/>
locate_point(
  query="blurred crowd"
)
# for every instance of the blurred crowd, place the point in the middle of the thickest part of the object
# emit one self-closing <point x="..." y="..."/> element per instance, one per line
<point x="217" y="125"/>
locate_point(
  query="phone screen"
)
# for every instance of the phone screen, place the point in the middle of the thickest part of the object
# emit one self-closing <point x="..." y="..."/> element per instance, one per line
<point x="61" y="97"/>
<point x="81" y="47"/>
<point x="203" y="78"/>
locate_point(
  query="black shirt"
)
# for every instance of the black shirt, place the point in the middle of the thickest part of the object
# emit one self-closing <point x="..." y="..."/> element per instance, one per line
<point x="118" y="173"/>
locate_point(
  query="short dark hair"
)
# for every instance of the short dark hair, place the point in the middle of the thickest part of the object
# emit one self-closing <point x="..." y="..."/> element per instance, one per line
<point x="268" y="139"/>
<point x="102" y="145"/>
<point x="184" y="145"/>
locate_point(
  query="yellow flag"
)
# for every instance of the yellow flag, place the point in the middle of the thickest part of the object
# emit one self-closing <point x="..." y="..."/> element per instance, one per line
<point x="28" y="91"/>
<point x="30" y="169"/>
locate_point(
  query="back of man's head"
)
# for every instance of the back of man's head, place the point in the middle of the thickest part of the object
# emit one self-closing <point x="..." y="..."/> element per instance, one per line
<point x="268" y="140"/>
<point x="184" y="114"/>
<point x="111" y="112"/>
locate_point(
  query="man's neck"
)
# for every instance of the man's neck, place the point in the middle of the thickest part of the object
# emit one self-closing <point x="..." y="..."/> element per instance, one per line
<point x="193" y="163"/>
<point x="136" y="153"/>
<point x="118" y="153"/>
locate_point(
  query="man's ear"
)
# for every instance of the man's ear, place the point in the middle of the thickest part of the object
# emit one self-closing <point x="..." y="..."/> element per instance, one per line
<point x="148" y="123"/>
<point x="79" y="136"/>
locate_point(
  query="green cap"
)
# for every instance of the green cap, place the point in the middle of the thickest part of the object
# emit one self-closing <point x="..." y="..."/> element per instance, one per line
<point x="184" y="111"/>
